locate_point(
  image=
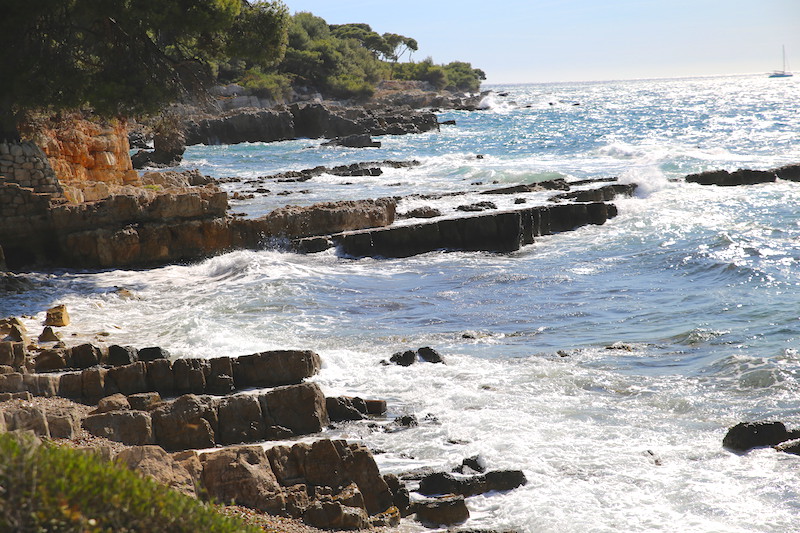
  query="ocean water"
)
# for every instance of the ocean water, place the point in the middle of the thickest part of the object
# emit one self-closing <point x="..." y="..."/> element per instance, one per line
<point x="606" y="363"/>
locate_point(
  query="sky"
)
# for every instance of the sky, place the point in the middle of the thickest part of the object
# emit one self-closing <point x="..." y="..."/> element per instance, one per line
<point x="519" y="41"/>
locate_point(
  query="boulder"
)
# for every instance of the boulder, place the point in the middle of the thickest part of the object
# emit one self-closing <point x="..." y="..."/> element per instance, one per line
<point x="360" y="468"/>
<point x="48" y="335"/>
<point x="153" y="353"/>
<point x="52" y="359"/>
<point x="12" y="353"/>
<point x="133" y="428"/>
<point x="93" y="384"/>
<point x="341" y="409"/>
<point x="401" y="498"/>
<point x="115" y="402"/>
<point x="122" y="355"/>
<point x="188" y="422"/>
<point x="422" y="212"/>
<point x="57" y="316"/>
<point x="159" y="376"/>
<point x="271" y="369"/>
<point x="406" y="358"/>
<point x="242" y="475"/>
<point x="70" y="385"/>
<point x="299" y="408"/>
<point x="335" y="515"/>
<point x="219" y="377"/>
<point x="429" y="355"/>
<point x="27" y="418"/>
<point x="287" y="463"/>
<point x="45" y="385"/>
<point x="127" y="379"/>
<point x="84" y="355"/>
<point x="144" y="401"/>
<point x="445" y="511"/>
<point x="747" y="435"/>
<point x="446" y="483"/>
<point x="240" y="420"/>
<point x="154" y="462"/>
<point x="189" y="376"/>
<point x="789" y="446"/>
<point x="64" y="423"/>
<point x="362" y="140"/>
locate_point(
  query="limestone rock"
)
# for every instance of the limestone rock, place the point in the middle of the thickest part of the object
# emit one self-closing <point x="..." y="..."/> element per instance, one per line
<point x="122" y="355"/>
<point x="127" y="379"/>
<point x="144" y="401"/>
<point x="242" y="475"/>
<point x="445" y="511"/>
<point x="188" y="422"/>
<point x="154" y="462"/>
<point x="52" y="359"/>
<point x="57" y="316"/>
<point x="275" y="368"/>
<point x="84" y="355"/>
<point x="240" y="420"/>
<point x="335" y="515"/>
<point x="48" y="335"/>
<point x="134" y="428"/>
<point x="26" y="418"/>
<point x="115" y="402"/>
<point x="300" y="408"/>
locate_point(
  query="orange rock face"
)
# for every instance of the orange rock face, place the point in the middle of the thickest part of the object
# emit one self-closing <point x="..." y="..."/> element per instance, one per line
<point x="82" y="150"/>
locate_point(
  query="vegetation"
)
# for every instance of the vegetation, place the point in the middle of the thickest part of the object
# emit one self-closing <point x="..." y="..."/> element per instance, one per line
<point x="124" y="57"/>
<point x="345" y="61"/>
<point x="50" y="488"/>
<point x="130" y="57"/>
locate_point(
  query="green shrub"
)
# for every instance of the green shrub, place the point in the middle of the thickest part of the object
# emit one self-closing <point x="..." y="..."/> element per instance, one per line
<point x="47" y="488"/>
<point x="267" y="85"/>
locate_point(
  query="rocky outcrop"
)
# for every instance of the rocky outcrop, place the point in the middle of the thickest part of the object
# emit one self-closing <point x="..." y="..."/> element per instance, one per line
<point x="306" y="121"/>
<point x="494" y="232"/>
<point x="747" y="435"/>
<point x="723" y="178"/>
<point x="86" y="155"/>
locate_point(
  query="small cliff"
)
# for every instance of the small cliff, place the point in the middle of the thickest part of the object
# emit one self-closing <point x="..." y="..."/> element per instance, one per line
<point x="90" y="158"/>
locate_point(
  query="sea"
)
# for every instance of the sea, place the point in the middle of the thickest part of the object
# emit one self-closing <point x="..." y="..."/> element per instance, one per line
<point x="606" y="363"/>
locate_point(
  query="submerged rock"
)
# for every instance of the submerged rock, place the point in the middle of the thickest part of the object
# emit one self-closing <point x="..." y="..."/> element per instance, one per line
<point x="748" y="435"/>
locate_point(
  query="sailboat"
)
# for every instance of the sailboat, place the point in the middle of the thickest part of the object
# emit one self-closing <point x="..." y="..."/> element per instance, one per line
<point x="782" y="73"/>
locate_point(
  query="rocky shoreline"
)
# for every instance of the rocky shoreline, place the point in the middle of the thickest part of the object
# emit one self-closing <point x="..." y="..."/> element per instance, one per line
<point x="225" y="429"/>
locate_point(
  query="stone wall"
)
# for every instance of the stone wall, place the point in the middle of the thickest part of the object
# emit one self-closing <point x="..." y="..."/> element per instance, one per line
<point x="27" y="166"/>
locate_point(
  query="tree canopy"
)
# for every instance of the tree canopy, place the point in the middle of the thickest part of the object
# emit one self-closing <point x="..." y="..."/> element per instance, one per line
<point x="125" y="57"/>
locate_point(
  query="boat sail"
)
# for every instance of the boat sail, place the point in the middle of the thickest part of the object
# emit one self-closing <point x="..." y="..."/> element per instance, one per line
<point x="782" y="73"/>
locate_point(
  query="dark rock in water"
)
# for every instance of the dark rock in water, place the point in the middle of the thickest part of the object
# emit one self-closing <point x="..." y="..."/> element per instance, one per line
<point x="84" y="355"/>
<point x="478" y="206"/>
<point x="406" y="358"/>
<point x="153" y="353"/>
<point x="789" y="446"/>
<point x="362" y="140"/>
<point x="445" y="483"/>
<point x="429" y="355"/>
<point x="422" y="212"/>
<point x="609" y="192"/>
<point x="559" y="184"/>
<point x="406" y="421"/>
<point x="445" y="511"/>
<point x="723" y="178"/>
<point x="788" y="172"/>
<point x="450" y="122"/>
<point x="400" y="495"/>
<point x="476" y="464"/>
<point x="122" y="355"/>
<point x="341" y="409"/>
<point x="747" y="435"/>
